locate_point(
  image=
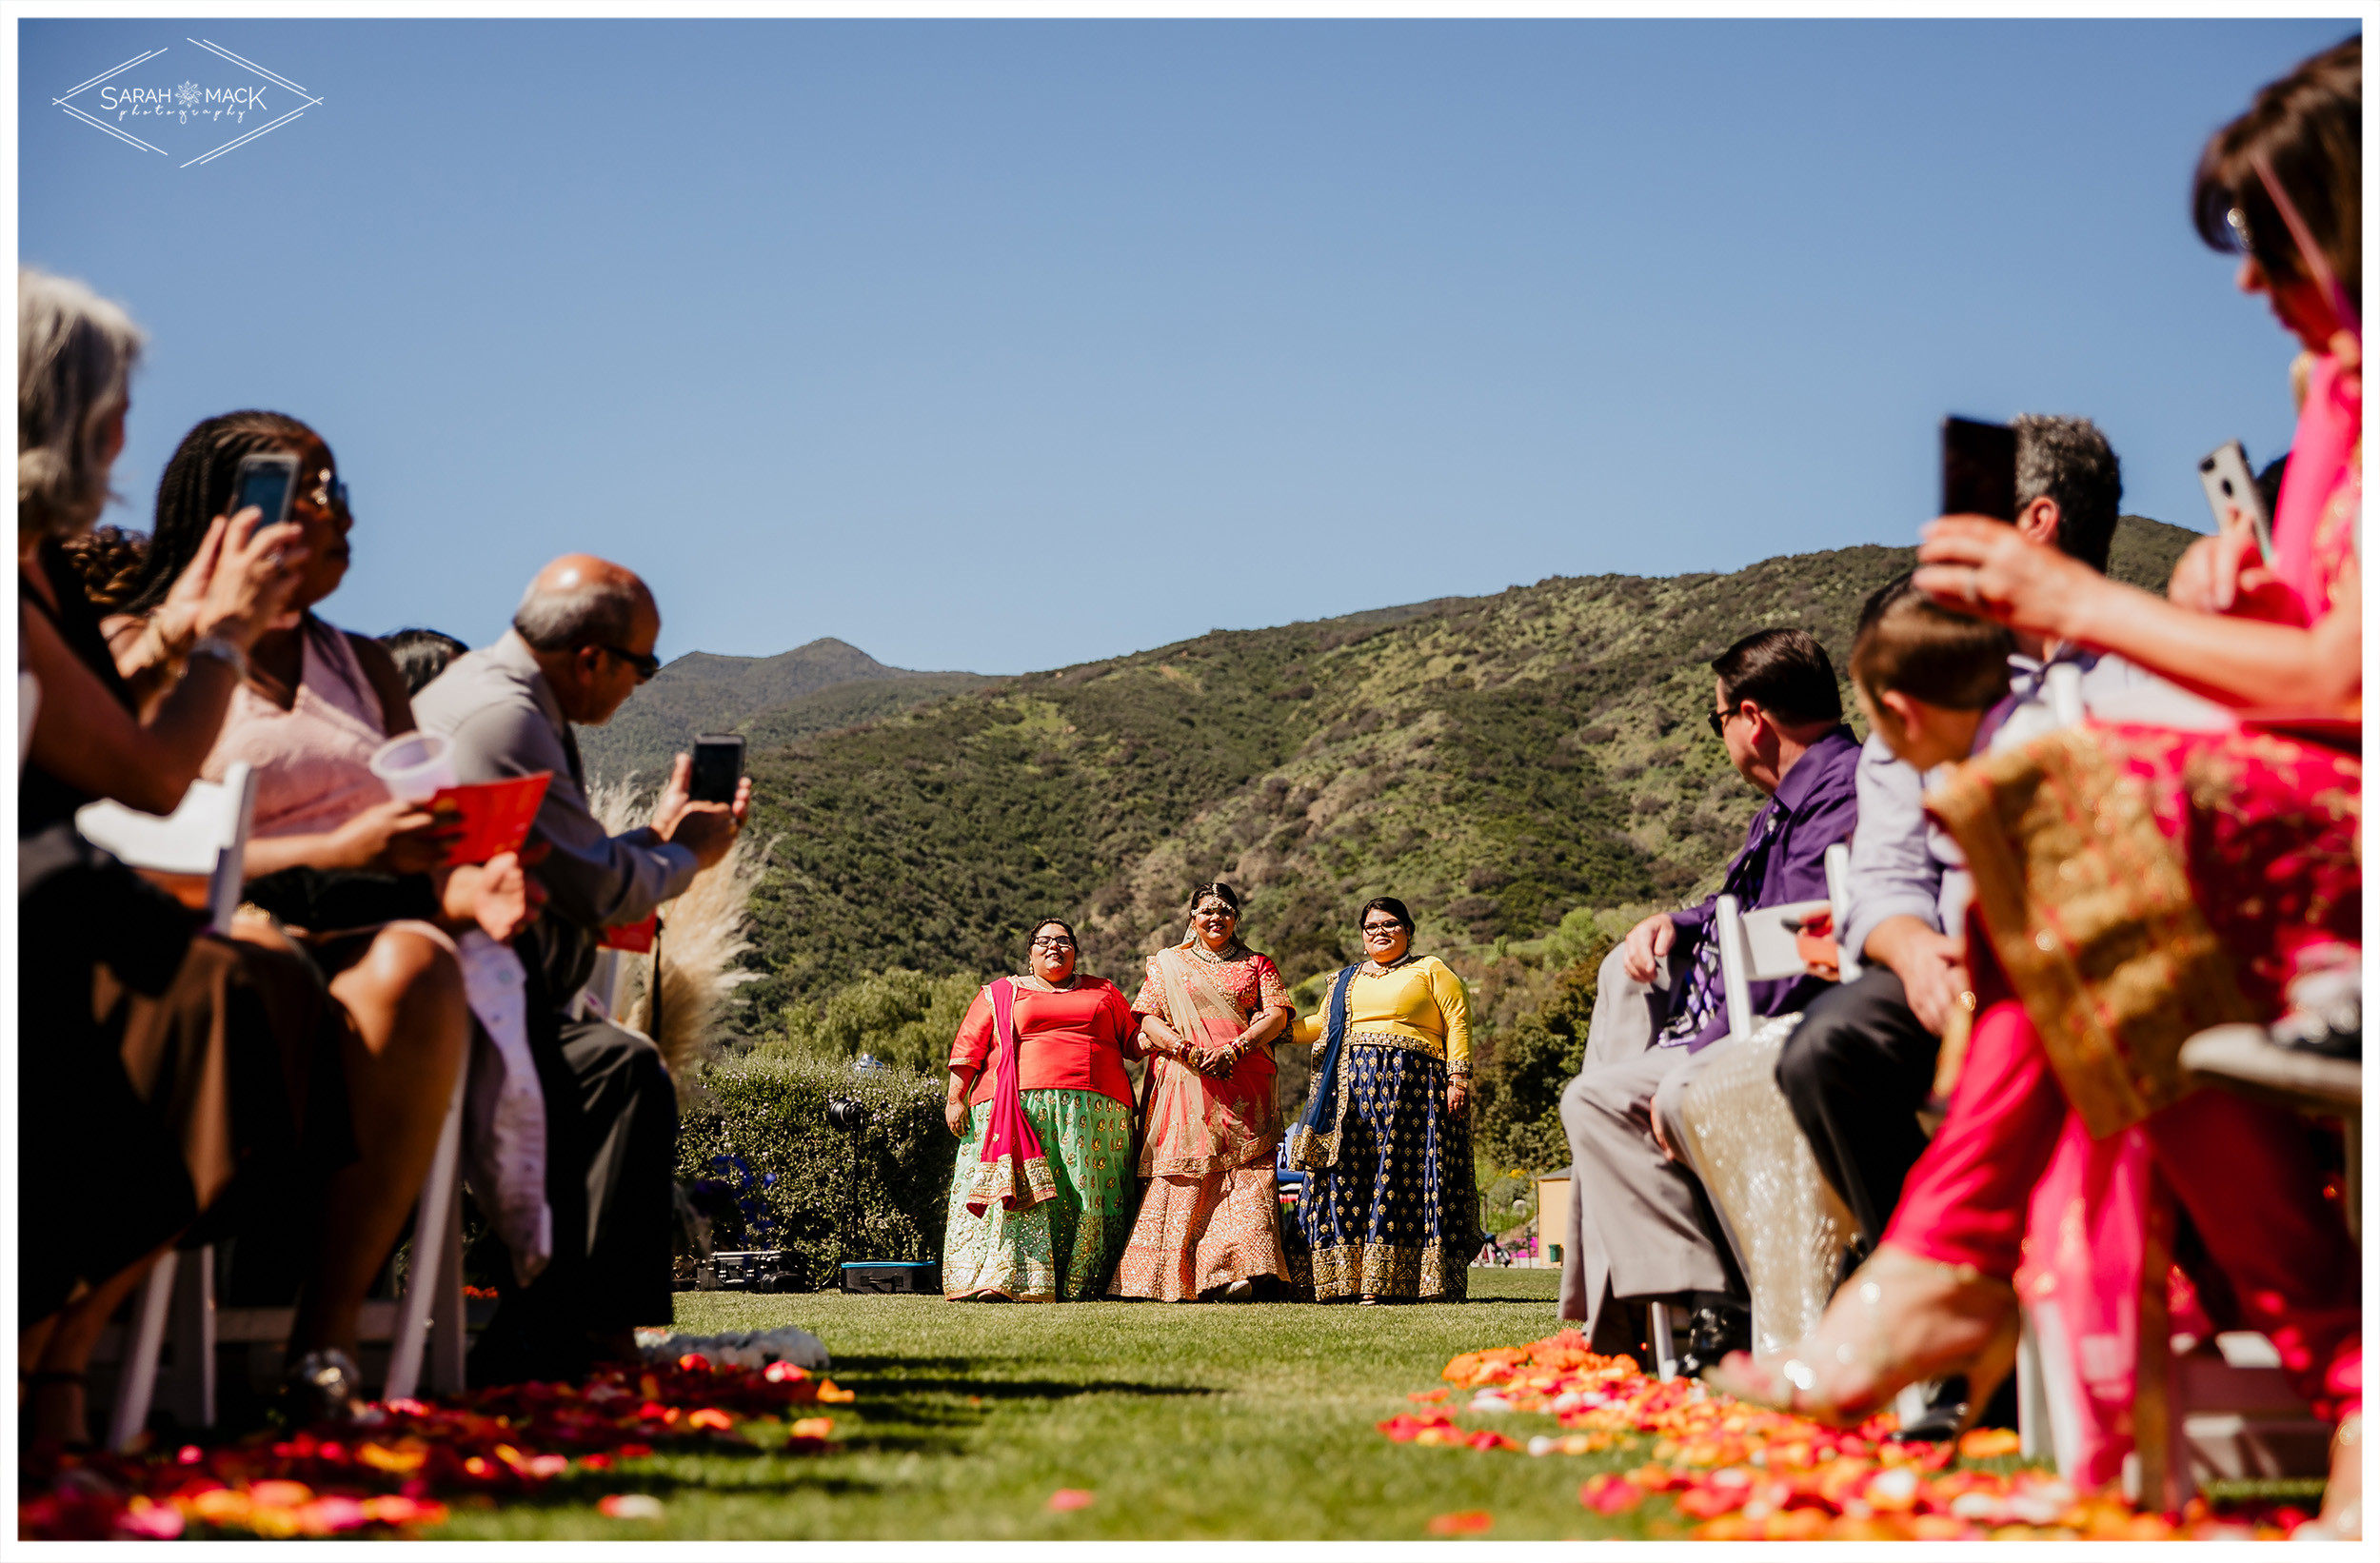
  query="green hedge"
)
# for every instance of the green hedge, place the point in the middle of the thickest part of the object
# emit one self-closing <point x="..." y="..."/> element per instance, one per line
<point x="770" y="1112"/>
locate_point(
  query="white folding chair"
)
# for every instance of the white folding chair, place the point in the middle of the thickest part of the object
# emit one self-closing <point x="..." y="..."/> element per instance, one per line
<point x="205" y="837"/>
<point x="1838" y="902"/>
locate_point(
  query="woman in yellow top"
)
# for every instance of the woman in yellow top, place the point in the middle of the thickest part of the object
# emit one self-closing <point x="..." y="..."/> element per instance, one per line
<point x="1388" y="1212"/>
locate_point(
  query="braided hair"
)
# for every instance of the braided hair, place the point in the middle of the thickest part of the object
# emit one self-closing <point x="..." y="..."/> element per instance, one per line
<point x="197" y="487"/>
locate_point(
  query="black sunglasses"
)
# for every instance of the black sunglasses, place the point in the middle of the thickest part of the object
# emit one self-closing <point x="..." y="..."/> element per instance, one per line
<point x="645" y="664"/>
<point x="1719" y="721"/>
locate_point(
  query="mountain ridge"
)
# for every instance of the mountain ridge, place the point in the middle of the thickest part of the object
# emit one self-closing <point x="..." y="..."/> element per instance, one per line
<point x="1501" y="761"/>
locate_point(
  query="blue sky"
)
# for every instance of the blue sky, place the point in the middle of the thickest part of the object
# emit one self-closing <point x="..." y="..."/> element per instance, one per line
<point x="1007" y="345"/>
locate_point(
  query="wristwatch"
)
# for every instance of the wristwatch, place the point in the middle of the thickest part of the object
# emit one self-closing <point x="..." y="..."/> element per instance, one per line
<point x="223" y="651"/>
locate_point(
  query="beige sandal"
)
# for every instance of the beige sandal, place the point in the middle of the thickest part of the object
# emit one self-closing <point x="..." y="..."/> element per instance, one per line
<point x="1899" y="1321"/>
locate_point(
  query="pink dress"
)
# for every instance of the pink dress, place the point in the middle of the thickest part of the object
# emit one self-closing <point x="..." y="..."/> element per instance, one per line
<point x="314" y="761"/>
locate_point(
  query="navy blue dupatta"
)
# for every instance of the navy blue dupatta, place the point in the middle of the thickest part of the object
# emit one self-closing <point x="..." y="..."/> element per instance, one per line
<point x="1314" y="1139"/>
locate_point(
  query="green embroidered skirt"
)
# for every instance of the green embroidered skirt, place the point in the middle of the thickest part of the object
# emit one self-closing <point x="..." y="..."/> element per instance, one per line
<point x="1060" y="1250"/>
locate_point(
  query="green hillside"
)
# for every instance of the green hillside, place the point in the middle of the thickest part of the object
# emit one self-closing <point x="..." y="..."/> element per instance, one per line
<point x="825" y="684"/>
<point x="1497" y="761"/>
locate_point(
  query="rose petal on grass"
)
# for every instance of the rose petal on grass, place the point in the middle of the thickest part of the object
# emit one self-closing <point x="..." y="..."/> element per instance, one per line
<point x="1069" y="1498"/>
<point x="1465" y="1522"/>
<point x="631" y="1506"/>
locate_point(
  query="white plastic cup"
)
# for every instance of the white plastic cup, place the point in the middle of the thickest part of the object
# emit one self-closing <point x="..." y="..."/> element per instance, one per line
<point x="415" y="766"/>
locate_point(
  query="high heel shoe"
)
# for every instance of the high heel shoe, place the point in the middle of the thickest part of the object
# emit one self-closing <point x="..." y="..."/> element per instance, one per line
<point x="1898" y="1320"/>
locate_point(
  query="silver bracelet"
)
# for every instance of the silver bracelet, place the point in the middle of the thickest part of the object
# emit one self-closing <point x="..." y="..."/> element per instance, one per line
<point x="223" y="651"/>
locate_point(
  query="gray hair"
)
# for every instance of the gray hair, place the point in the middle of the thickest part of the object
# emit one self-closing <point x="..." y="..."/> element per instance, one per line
<point x="2069" y="461"/>
<point x="74" y="357"/>
<point x="592" y="613"/>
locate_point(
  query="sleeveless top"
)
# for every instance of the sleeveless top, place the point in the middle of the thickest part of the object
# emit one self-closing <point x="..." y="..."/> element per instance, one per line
<point x="314" y="761"/>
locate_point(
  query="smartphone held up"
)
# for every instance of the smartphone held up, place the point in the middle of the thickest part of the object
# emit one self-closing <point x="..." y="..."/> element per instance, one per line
<point x="718" y="768"/>
<point x="1978" y="469"/>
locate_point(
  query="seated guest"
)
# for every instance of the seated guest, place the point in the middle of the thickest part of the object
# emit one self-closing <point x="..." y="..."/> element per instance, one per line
<point x="2282" y="186"/>
<point x="421" y="655"/>
<point x="1390" y="1213"/>
<point x="1042" y="1191"/>
<point x="332" y="856"/>
<point x="1641" y="1229"/>
<point x="581" y="643"/>
<point x="1861" y="1062"/>
<point x="120" y="1090"/>
<point x="2133" y="887"/>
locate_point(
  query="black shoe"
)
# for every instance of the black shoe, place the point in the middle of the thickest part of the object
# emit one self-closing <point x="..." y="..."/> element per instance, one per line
<point x="1711" y="1334"/>
<point x="321" y="1387"/>
<point x="1946" y="1410"/>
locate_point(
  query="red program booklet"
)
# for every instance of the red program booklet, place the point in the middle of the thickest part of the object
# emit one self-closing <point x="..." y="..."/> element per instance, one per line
<point x="489" y="817"/>
<point x="635" y="938"/>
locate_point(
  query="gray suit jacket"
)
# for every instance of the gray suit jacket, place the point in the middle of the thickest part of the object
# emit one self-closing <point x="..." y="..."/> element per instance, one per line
<point x="497" y="710"/>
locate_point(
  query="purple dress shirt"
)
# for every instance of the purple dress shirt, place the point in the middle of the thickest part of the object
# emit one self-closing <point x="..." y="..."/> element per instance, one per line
<point x="1815" y="804"/>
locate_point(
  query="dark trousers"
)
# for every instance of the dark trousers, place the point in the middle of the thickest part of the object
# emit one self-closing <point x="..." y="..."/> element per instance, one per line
<point x="1854" y="1072"/>
<point x="611" y="1153"/>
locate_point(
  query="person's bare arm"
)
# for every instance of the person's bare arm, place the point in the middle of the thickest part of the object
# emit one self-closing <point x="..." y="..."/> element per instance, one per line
<point x="86" y="739"/>
<point x="1981" y="566"/>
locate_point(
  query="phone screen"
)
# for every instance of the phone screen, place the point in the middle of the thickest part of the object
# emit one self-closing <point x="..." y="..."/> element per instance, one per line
<point x="718" y="766"/>
<point x="266" y="485"/>
<point x="1978" y="469"/>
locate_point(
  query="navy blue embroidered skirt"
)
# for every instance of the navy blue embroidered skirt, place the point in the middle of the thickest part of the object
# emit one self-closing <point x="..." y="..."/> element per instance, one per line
<point x="1394" y="1216"/>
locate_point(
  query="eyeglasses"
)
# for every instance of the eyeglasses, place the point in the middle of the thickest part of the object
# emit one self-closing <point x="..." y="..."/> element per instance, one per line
<point x="1719" y="721"/>
<point x="645" y="664"/>
<point x="2236" y="221"/>
<point x="1053" y="944"/>
<point x="1371" y="928"/>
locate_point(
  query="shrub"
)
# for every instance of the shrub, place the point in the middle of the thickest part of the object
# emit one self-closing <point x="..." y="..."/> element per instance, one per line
<point x="1518" y="1116"/>
<point x="770" y="1112"/>
<point x="904" y="1017"/>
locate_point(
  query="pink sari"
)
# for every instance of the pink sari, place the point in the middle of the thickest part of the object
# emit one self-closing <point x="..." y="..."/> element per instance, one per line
<point x="1011" y="1170"/>
<point x="1209" y="1213"/>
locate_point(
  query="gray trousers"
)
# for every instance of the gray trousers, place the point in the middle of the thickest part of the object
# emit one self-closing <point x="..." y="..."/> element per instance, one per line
<point x="1641" y="1227"/>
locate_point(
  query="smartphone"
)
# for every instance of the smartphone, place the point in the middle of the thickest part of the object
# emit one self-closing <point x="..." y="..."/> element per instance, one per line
<point x="718" y="766"/>
<point x="266" y="482"/>
<point x="1978" y="469"/>
<point x="2232" y="494"/>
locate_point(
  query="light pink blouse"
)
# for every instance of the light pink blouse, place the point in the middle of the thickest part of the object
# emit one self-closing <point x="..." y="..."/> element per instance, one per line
<point x="314" y="761"/>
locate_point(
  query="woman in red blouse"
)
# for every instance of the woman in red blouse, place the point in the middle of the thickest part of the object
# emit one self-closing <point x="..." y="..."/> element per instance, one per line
<point x="1042" y="1197"/>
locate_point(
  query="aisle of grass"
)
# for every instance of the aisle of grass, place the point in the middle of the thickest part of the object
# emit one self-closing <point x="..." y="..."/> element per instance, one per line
<point x="1183" y="1420"/>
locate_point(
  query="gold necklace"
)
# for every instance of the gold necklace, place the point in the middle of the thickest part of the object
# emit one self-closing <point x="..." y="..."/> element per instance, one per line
<point x="1229" y="953"/>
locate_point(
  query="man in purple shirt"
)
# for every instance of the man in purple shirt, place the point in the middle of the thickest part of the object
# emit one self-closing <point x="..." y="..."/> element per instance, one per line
<point x="1641" y="1229"/>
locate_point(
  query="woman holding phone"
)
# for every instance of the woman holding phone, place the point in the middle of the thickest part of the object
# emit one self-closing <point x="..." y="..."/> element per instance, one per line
<point x="2136" y="885"/>
<point x="358" y="876"/>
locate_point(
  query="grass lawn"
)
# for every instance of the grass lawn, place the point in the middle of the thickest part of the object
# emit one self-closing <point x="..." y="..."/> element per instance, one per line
<point x="1184" y="1421"/>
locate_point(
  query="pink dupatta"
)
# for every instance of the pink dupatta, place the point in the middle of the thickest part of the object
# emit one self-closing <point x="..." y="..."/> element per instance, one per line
<point x="1010" y="1169"/>
<point x="2321" y="490"/>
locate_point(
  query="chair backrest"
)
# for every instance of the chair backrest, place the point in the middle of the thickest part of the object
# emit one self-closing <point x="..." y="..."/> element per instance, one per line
<point x="1839" y="903"/>
<point x="1757" y="946"/>
<point x="205" y="835"/>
